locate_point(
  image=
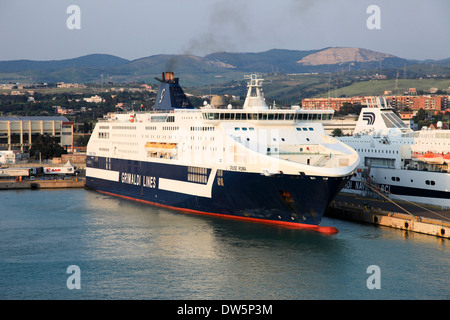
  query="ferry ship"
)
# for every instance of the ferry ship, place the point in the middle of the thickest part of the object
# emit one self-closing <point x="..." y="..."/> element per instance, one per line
<point x="254" y="163"/>
<point x="398" y="162"/>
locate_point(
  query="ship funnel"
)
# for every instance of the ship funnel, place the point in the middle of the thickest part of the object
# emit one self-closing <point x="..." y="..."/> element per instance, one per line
<point x="167" y="77"/>
<point x="379" y="118"/>
<point x="170" y="94"/>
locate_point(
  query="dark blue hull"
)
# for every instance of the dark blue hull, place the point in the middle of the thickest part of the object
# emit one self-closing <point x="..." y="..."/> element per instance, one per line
<point x="282" y="199"/>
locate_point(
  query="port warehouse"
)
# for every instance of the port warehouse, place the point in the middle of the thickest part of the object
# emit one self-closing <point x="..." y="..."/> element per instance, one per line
<point x="17" y="133"/>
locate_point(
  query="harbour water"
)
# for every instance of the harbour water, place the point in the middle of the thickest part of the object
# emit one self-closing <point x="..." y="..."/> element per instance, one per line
<point x="127" y="250"/>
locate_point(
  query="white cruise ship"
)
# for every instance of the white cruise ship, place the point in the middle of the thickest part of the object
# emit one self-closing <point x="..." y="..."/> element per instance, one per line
<point x="397" y="161"/>
<point x="255" y="163"/>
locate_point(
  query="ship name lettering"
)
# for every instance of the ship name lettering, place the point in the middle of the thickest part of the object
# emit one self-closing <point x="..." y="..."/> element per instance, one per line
<point x="149" y="182"/>
<point x="360" y="185"/>
<point x="238" y="168"/>
<point x="130" y="178"/>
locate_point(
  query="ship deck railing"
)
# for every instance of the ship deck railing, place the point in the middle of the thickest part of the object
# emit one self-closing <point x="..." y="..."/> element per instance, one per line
<point x="293" y="115"/>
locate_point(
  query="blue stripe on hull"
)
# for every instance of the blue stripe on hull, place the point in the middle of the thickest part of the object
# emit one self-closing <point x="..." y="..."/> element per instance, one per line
<point x="400" y="190"/>
<point x="287" y="198"/>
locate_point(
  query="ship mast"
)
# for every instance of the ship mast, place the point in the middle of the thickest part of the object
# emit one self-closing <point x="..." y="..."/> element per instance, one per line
<point x="255" y="98"/>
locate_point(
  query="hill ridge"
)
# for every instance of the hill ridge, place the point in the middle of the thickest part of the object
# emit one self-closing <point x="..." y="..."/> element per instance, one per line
<point x="197" y="70"/>
<point x="343" y="55"/>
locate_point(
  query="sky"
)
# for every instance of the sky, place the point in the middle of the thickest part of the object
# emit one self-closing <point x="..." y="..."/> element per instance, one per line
<point x="133" y="29"/>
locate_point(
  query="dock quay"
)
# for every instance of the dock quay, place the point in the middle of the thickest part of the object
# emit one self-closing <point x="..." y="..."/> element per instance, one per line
<point x="399" y="214"/>
<point x="42" y="184"/>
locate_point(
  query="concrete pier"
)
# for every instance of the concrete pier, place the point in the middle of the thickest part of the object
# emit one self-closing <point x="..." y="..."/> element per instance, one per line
<point x="422" y="219"/>
<point x="42" y="184"/>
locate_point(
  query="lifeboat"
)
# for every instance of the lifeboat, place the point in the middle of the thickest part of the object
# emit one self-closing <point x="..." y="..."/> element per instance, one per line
<point x="418" y="156"/>
<point x="160" y="147"/>
<point x="432" y="157"/>
<point x="447" y="158"/>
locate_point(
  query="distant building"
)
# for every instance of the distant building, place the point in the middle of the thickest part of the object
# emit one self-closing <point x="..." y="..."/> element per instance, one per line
<point x="439" y="125"/>
<point x="412" y="91"/>
<point x="438" y="104"/>
<point x="62" y="110"/>
<point x="433" y="90"/>
<point x="406" y="115"/>
<point x="69" y="85"/>
<point x="146" y="87"/>
<point x="8" y="86"/>
<point x="18" y="133"/>
<point x="94" y="99"/>
<point x="330" y="103"/>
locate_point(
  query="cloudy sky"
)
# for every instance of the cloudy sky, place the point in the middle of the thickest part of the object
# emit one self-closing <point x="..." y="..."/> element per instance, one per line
<point x="131" y="29"/>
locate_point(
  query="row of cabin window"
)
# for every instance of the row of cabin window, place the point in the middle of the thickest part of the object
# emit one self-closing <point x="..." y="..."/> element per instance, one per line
<point x="162" y="119"/>
<point x="251" y="129"/>
<point x="124" y="127"/>
<point x="427" y="182"/>
<point x="376" y="151"/>
<point x="266" y="116"/>
<point x="202" y="128"/>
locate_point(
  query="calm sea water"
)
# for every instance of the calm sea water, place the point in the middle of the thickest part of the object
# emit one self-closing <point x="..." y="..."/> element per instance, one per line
<point x="126" y="250"/>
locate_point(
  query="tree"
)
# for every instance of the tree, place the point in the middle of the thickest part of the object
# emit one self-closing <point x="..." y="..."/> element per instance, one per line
<point x="349" y="108"/>
<point x="47" y="147"/>
<point x="421" y="115"/>
<point x="337" y="133"/>
<point x="87" y="127"/>
<point x="82" y="141"/>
